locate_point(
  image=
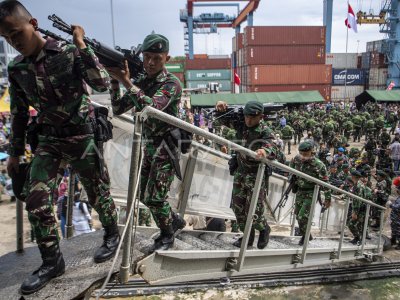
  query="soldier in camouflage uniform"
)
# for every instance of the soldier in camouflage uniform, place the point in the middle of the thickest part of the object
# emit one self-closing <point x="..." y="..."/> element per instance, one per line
<point x="395" y="217"/>
<point x="347" y="129"/>
<point x="287" y="135"/>
<point x="384" y="138"/>
<point x="370" y="148"/>
<point x="256" y="136"/>
<point x="380" y="196"/>
<point x="162" y="90"/>
<point x="356" y="223"/>
<point x="357" y="124"/>
<point x="307" y="163"/>
<point x="51" y="76"/>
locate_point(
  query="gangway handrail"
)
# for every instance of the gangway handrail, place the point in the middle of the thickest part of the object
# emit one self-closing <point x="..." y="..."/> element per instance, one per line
<point x="149" y="111"/>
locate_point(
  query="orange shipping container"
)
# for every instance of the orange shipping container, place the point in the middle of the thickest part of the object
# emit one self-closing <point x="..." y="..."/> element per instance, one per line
<point x="288" y="74"/>
<point x="284" y="35"/>
<point x="324" y="90"/>
<point x="208" y="64"/>
<point x="284" y="55"/>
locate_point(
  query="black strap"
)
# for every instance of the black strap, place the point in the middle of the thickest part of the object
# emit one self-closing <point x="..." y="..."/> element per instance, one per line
<point x="67" y="131"/>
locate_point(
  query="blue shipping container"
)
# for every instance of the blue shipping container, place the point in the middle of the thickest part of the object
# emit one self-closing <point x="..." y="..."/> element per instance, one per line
<point x="351" y="76"/>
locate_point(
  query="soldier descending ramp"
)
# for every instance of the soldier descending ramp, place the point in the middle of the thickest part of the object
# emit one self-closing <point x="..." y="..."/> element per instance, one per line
<point x="200" y="255"/>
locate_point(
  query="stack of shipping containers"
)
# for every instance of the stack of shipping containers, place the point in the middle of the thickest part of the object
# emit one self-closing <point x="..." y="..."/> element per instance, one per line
<point x="284" y="58"/>
<point x="348" y="80"/>
<point x="201" y="71"/>
<point x="373" y="61"/>
<point x="177" y="67"/>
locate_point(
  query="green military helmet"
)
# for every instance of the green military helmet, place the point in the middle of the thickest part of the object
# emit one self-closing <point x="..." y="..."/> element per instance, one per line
<point x="356" y="173"/>
<point x="381" y="173"/>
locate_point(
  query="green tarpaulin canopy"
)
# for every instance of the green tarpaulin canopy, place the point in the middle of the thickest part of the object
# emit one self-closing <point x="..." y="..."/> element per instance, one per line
<point x="271" y="97"/>
<point x="377" y="96"/>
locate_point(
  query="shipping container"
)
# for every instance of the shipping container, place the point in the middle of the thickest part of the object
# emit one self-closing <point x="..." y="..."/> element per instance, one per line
<point x="174" y="68"/>
<point x="224" y="85"/>
<point x="324" y="90"/>
<point x="200" y="56"/>
<point x="284" y="55"/>
<point x="359" y="64"/>
<point x="181" y="77"/>
<point x="340" y="92"/>
<point x="342" y="60"/>
<point x="377" y="87"/>
<point x="365" y="60"/>
<point x="219" y="74"/>
<point x="377" y="76"/>
<point x="219" y="56"/>
<point x="350" y="76"/>
<point x="284" y="35"/>
<point x="377" y="60"/>
<point x="377" y="46"/>
<point x="207" y="64"/>
<point x="288" y="74"/>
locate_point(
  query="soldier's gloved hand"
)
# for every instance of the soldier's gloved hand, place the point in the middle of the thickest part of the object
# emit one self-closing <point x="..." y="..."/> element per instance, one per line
<point x="12" y="165"/>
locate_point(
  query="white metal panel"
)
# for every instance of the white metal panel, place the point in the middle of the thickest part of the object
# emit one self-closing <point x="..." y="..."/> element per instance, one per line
<point x="340" y="92"/>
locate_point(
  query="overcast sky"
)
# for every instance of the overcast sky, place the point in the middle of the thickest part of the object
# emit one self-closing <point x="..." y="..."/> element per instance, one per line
<point x="134" y="19"/>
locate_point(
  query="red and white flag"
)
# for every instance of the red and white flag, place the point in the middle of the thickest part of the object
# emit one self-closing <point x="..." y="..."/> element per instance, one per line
<point x="236" y="81"/>
<point x="351" y="21"/>
<point x="390" y="86"/>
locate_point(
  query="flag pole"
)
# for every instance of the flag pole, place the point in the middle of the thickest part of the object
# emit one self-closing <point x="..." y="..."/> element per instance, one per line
<point x="347" y="42"/>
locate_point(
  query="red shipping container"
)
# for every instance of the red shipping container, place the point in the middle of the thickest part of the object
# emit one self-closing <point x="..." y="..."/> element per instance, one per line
<point x="208" y="64"/>
<point x="325" y="90"/>
<point x="284" y="35"/>
<point x="288" y="74"/>
<point x="284" y="55"/>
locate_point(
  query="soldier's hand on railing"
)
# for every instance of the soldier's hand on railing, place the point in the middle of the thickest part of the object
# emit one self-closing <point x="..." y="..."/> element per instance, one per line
<point x="221" y="106"/>
<point x="327" y="204"/>
<point x="224" y="149"/>
<point x="261" y="153"/>
<point x="354" y="217"/>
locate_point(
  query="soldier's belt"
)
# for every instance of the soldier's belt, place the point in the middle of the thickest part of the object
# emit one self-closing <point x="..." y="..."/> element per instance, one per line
<point x="67" y="131"/>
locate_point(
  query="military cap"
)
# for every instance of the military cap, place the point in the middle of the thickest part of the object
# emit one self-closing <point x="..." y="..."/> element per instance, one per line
<point x="381" y="173"/>
<point x="339" y="158"/>
<point x="345" y="166"/>
<point x="356" y="173"/>
<point x="155" y="43"/>
<point x="305" y="146"/>
<point x="253" y="108"/>
<point x="340" y="149"/>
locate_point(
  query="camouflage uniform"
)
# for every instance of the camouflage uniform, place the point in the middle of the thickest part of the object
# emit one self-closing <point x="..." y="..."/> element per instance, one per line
<point x="315" y="168"/>
<point x="287" y="135"/>
<point x="258" y="137"/>
<point x="379" y="198"/>
<point x="359" y="209"/>
<point x="162" y="92"/>
<point x="54" y="84"/>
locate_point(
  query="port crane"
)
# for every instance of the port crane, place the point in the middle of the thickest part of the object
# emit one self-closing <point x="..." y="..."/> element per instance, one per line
<point x="210" y="22"/>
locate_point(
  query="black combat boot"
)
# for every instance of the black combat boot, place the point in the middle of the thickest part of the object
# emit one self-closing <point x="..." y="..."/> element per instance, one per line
<point x="356" y="241"/>
<point x="263" y="238"/>
<point x="167" y="235"/>
<point x="301" y="242"/>
<point x="250" y="242"/>
<point x="53" y="266"/>
<point x="178" y="222"/>
<point x="111" y="240"/>
<point x="393" y="240"/>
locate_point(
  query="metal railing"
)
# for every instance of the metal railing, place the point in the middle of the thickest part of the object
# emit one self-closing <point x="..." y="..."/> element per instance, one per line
<point x="150" y="112"/>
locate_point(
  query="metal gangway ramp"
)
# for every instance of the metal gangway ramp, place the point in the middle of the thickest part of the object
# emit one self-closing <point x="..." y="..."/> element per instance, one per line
<point x="196" y="255"/>
<point x="199" y="255"/>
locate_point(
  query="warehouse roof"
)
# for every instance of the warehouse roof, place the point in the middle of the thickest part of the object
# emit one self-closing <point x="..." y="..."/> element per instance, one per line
<point x="377" y="96"/>
<point x="243" y="98"/>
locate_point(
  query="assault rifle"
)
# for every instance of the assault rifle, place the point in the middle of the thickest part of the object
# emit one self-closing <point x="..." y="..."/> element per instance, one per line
<point x="291" y="187"/>
<point x="107" y="56"/>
